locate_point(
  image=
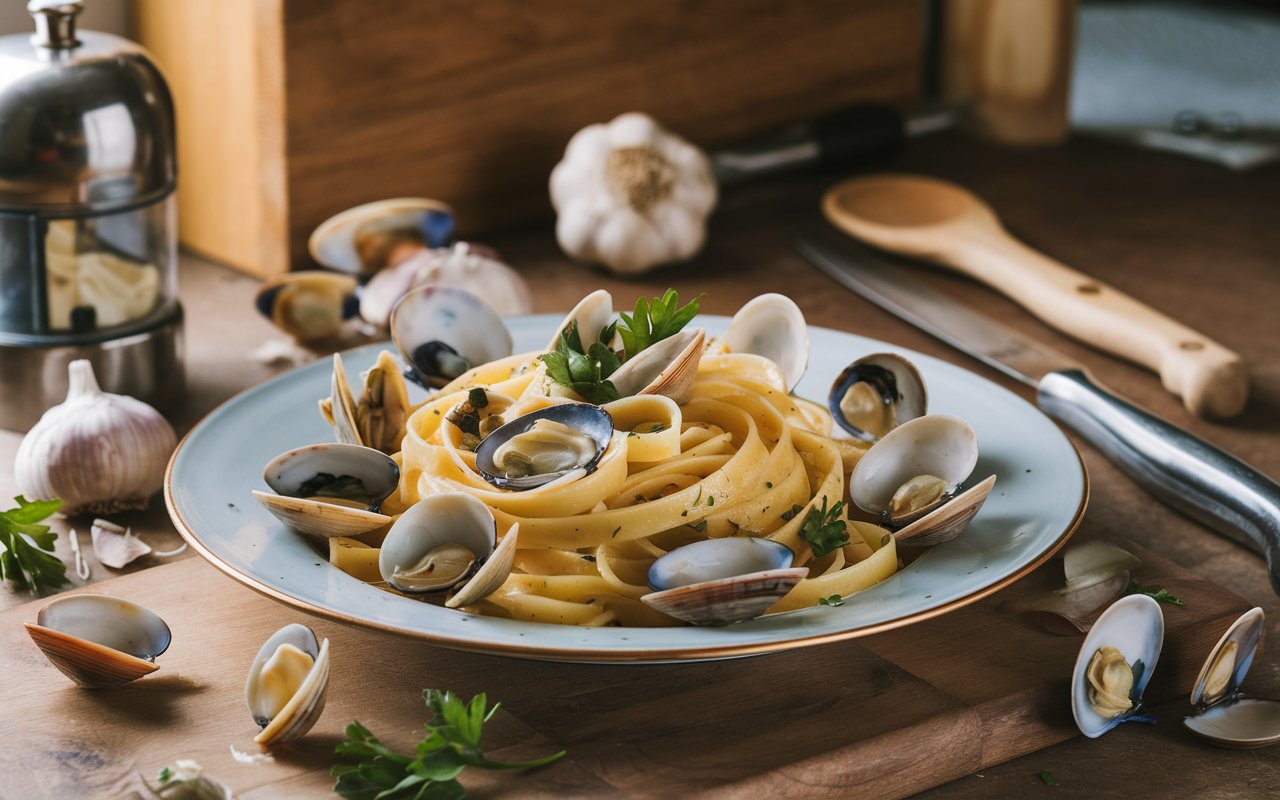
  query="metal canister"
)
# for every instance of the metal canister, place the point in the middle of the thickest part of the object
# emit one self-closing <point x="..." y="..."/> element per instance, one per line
<point x="88" y="227"/>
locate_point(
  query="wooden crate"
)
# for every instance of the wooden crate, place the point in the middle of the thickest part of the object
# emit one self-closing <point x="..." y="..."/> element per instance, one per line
<point x="292" y="110"/>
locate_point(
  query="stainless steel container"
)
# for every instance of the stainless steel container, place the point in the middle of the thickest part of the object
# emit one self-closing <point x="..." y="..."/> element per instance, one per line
<point x="88" y="228"/>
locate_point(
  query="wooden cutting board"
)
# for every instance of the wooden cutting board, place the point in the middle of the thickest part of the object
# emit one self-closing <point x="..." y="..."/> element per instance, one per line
<point x="884" y="716"/>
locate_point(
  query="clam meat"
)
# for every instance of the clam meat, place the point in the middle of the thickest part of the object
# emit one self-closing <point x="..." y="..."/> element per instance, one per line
<point x="310" y="306"/>
<point x="910" y="478"/>
<point x="99" y="641"/>
<point x="545" y="445"/>
<point x="442" y="332"/>
<point x="377" y="419"/>
<point x="329" y="490"/>
<point x="1114" y="665"/>
<point x="875" y="394"/>
<point x="722" y="581"/>
<point x="1222" y="714"/>
<point x="287" y="682"/>
<point x="367" y="238"/>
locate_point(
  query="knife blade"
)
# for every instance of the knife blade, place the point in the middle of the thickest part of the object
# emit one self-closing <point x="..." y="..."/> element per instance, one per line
<point x="1176" y="467"/>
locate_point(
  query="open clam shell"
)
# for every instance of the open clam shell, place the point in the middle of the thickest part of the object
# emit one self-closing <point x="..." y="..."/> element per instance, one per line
<point x="1223" y="715"/>
<point x="875" y="394"/>
<point x="438" y="543"/>
<point x="545" y="445"/>
<point x="287" y="683"/>
<point x="722" y="581"/>
<point x="100" y="641"/>
<point x="592" y="314"/>
<point x="377" y="418"/>
<point x="329" y="490"/>
<point x="310" y="306"/>
<point x="773" y="326"/>
<point x="366" y="238"/>
<point x="1134" y="628"/>
<point x="939" y="447"/>
<point x="442" y="332"/>
<point x="667" y="368"/>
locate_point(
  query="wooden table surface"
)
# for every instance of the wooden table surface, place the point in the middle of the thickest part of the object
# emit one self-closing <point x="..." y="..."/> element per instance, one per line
<point x="1189" y="239"/>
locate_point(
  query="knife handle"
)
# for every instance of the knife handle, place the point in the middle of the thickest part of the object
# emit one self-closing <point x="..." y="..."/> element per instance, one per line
<point x="1178" y="468"/>
<point x="1210" y="379"/>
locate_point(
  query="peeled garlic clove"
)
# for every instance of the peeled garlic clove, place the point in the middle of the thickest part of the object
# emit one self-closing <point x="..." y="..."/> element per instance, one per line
<point x="98" y="452"/>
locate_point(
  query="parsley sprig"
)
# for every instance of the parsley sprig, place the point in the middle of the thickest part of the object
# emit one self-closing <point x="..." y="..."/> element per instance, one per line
<point x="651" y="322"/>
<point x="451" y="745"/>
<point x="585" y="370"/>
<point x="1157" y="593"/>
<point x="26" y="547"/>
<point x="824" y="529"/>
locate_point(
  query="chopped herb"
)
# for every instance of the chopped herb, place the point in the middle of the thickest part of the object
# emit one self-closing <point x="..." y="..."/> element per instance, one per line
<point x="885" y="539"/>
<point x="477" y="398"/>
<point x="651" y="427"/>
<point x="586" y="371"/>
<point x="435" y="411"/>
<point x="787" y="516"/>
<point x="640" y="498"/>
<point x="699" y="526"/>
<point x="632" y="433"/>
<point x="616" y="531"/>
<point x="592" y="559"/>
<point x="1158" y="593"/>
<point x="825" y="530"/>
<point x="452" y="744"/>
<point x="465" y="417"/>
<point x="684" y="513"/>
<point x="768" y="484"/>
<point x="651" y="322"/>
<point x="26" y="547"/>
<point x="711" y="501"/>
<point x="1047" y="777"/>
<point x="165" y="775"/>
<point x="833" y="600"/>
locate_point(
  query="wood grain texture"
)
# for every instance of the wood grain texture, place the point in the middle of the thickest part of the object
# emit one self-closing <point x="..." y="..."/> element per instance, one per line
<point x="887" y="716"/>
<point x="293" y="110"/>
<point x="223" y="62"/>
<point x="1010" y="61"/>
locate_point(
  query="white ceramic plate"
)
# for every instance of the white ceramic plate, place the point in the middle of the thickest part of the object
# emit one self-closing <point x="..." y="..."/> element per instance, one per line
<point x="1037" y="503"/>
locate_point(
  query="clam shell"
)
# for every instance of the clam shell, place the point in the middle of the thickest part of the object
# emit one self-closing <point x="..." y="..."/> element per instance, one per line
<point x="310" y="306"/>
<point x="592" y="314"/>
<point x="1134" y="625"/>
<point x="722" y="581"/>
<point x="343" y="405"/>
<point x="1223" y="715"/>
<point x="937" y="444"/>
<point x="947" y="521"/>
<point x="99" y="641"/>
<point x="303" y="709"/>
<point x="337" y="242"/>
<point x="727" y="600"/>
<point x="442" y="332"/>
<point x="474" y="268"/>
<point x="667" y="368"/>
<point x="585" y="418"/>
<point x="491" y="575"/>
<point x="895" y="379"/>
<point x="436" y="520"/>
<point x="286" y="473"/>
<point x="773" y="326"/>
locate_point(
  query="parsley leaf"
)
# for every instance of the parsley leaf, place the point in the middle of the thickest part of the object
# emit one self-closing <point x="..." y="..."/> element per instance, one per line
<point x="651" y="322"/>
<point x="26" y="547"/>
<point x="584" y="370"/>
<point x="1157" y="593"/>
<point x="1047" y="777"/>
<point x="833" y="600"/>
<point x="451" y="745"/>
<point x="824" y="530"/>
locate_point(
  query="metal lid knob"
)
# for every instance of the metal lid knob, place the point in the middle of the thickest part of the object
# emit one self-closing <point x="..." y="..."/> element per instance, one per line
<point x="55" y="22"/>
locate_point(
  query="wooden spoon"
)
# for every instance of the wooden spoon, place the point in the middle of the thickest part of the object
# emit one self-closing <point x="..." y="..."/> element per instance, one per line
<point x="937" y="221"/>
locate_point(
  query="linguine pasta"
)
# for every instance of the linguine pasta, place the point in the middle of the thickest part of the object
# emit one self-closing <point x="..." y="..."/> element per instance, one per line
<point x="741" y="457"/>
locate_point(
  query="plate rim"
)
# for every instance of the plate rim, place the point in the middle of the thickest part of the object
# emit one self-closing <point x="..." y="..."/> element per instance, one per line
<point x="605" y="656"/>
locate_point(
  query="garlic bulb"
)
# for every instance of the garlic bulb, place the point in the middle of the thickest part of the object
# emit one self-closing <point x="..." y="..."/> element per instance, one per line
<point x="96" y="451"/>
<point x="631" y="195"/>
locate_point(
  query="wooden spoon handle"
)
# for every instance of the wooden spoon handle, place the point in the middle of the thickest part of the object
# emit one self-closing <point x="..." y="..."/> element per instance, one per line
<point x="1210" y="378"/>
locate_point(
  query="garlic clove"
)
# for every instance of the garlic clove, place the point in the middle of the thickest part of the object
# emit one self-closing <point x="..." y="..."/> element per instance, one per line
<point x="116" y="547"/>
<point x="97" y="452"/>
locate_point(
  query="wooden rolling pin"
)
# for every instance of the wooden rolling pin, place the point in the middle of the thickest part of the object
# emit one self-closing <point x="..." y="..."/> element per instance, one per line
<point x="946" y="224"/>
